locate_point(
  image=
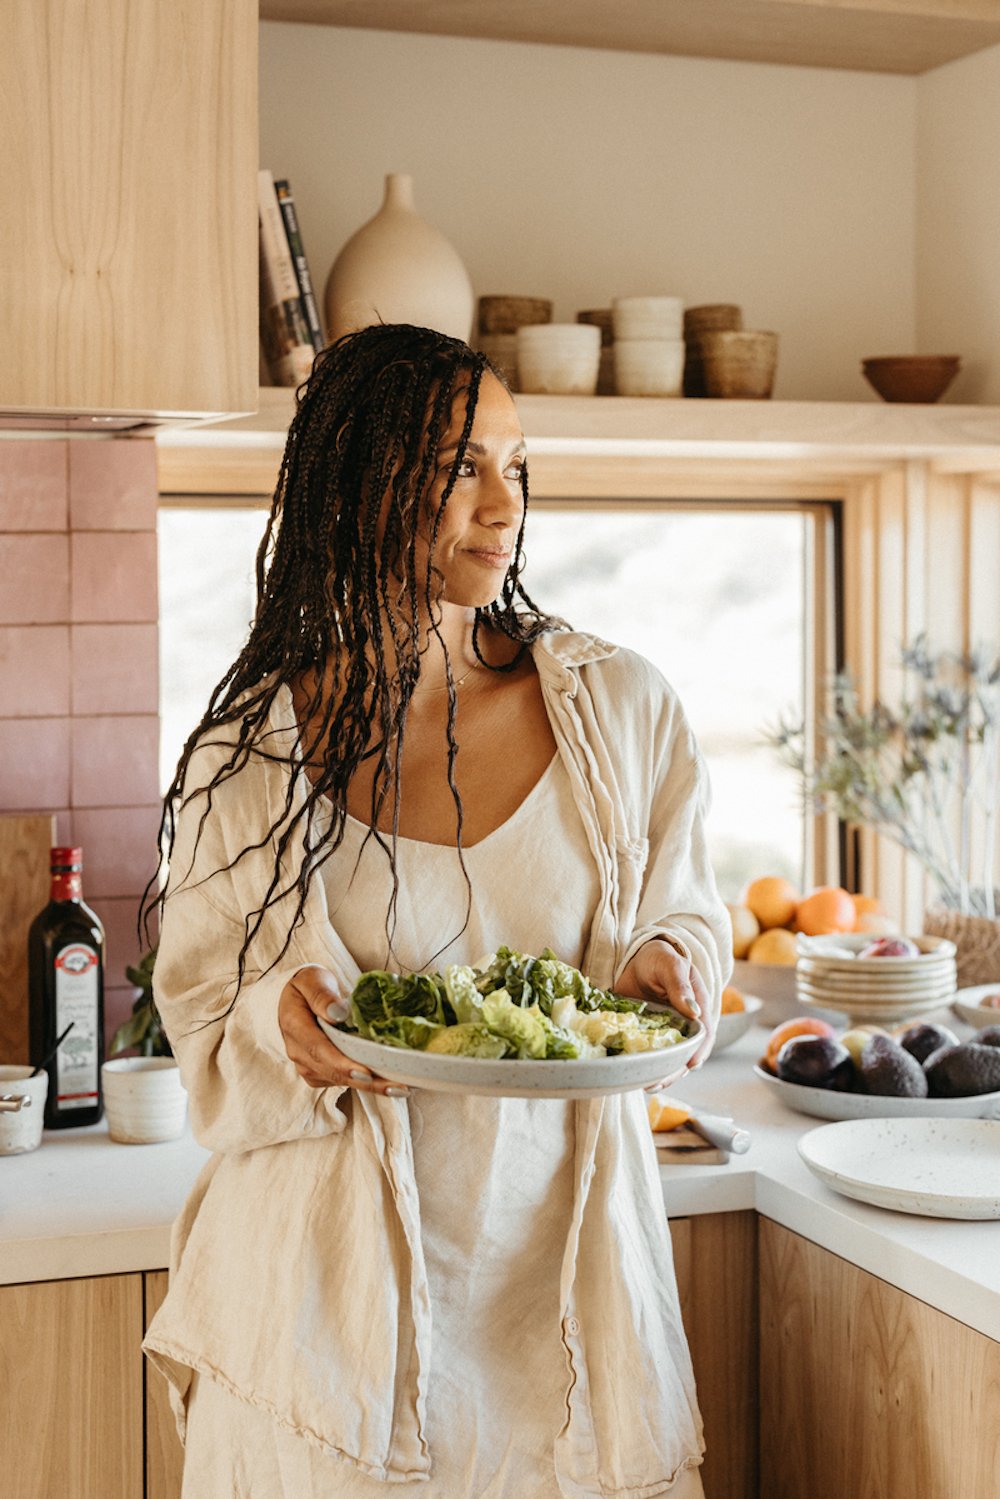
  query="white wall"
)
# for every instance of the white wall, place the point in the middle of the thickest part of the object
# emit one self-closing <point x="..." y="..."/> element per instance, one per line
<point x="581" y="175"/>
<point x="958" y="221"/>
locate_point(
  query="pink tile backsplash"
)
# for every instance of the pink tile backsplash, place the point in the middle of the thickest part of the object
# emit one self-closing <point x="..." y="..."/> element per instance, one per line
<point x="34" y="578"/>
<point x="113" y="576"/>
<point x="115" y="760"/>
<point x="112" y="485"/>
<point x="114" y="669"/>
<point x="34" y="764"/>
<point x="121" y="942"/>
<point x="34" y="671"/>
<point x="33" y="485"/>
<point x="119" y="848"/>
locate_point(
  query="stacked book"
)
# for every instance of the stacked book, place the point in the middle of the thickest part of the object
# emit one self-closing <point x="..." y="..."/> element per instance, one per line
<point x="290" y="331"/>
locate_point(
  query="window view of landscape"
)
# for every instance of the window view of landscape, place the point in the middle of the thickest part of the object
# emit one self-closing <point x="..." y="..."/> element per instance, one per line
<point x="716" y="599"/>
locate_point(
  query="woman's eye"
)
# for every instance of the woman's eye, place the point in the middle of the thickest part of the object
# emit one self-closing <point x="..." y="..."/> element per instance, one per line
<point x="466" y="469"/>
<point x="515" y="471"/>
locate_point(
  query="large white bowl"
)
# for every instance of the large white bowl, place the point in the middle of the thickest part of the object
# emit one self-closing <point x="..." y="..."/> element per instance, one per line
<point x="825" y="1103"/>
<point x="967" y="1005"/>
<point x="592" y="1078"/>
<point x="736" y="1024"/>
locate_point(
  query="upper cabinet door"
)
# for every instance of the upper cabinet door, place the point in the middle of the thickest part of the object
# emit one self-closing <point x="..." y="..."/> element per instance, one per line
<point x="128" y="227"/>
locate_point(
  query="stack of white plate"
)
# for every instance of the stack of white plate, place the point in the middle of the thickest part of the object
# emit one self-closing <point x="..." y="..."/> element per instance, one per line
<point x="831" y="975"/>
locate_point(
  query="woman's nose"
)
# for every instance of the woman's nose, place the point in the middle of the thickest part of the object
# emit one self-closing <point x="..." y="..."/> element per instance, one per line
<point x="500" y="501"/>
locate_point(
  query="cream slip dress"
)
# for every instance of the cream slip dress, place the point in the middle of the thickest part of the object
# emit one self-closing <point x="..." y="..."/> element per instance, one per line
<point x="494" y="1177"/>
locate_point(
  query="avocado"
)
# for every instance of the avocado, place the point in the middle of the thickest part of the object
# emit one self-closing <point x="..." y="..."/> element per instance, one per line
<point x="989" y="1036"/>
<point x="921" y="1040"/>
<point x="815" y="1062"/>
<point x="959" y="1071"/>
<point x="888" y="1070"/>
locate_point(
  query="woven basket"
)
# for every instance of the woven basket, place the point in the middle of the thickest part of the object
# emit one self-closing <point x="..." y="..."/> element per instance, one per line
<point x="977" y="939"/>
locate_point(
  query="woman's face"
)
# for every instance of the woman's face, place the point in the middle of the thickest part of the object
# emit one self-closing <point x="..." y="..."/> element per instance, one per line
<point x="479" y="528"/>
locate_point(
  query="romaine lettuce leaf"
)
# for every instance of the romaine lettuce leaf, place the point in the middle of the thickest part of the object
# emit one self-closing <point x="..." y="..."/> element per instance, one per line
<point x="469" y="1039"/>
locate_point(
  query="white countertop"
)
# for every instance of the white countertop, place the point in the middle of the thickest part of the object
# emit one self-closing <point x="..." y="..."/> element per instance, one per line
<point x="83" y="1205"/>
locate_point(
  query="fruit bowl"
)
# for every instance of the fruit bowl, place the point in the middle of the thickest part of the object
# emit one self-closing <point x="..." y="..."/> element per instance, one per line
<point x="921" y="378"/>
<point x="968" y="1005"/>
<point x="735" y="1024"/>
<point x="833" y="974"/>
<point x="825" y="1103"/>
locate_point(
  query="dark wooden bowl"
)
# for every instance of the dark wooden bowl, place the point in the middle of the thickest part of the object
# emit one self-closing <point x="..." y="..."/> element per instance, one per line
<point x="919" y="378"/>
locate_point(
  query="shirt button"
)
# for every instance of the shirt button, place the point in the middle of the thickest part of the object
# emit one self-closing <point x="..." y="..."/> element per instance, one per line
<point x="572" y="1326"/>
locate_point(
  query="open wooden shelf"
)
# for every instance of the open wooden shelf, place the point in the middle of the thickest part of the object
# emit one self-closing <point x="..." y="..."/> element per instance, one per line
<point x="241" y="456"/>
<point x="879" y="36"/>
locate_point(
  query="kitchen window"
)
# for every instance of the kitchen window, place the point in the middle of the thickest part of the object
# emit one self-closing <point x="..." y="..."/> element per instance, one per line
<point x="733" y="601"/>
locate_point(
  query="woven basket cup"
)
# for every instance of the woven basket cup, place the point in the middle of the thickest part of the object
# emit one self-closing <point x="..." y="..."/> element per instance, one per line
<point x="507" y="314"/>
<point x="977" y="939"/>
<point x="739" y="365"/>
<point x="713" y="317"/>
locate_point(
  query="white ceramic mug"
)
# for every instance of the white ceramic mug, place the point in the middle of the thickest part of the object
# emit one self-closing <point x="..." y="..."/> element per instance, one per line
<point x="558" y="358"/>
<point x="22" y="1130"/>
<point x="144" y="1099"/>
<point x="649" y="366"/>
<point x="648" y="317"/>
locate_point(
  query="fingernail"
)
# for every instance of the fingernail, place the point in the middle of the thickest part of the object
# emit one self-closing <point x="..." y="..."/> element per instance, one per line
<point x="336" y="1011"/>
<point x="694" y="1006"/>
<point x="397" y="1092"/>
<point x="359" y="1076"/>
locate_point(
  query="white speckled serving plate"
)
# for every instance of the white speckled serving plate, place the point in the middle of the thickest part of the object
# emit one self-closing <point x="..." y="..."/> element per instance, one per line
<point x="968" y="1005"/>
<point x="826" y="1103"/>
<point x="592" y="1078"/>
<point x="936" y="1168"/>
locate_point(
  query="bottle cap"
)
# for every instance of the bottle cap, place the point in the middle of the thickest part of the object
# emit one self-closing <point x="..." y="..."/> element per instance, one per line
<point x="67" y="858"/>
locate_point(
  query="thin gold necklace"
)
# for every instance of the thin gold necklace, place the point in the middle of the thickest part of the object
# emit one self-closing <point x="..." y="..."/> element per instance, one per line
<point x="444" y="686"/>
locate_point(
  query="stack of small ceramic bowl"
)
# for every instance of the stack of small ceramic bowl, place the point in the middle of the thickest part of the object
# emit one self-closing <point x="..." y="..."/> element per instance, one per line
<point x="832" y="974"/>
<point x="714" y="317"/>
<point x="648" y="346"/>
<point x="499" y="319"/>
<point x="602" y="317"/>
<point x="559" y="359"/>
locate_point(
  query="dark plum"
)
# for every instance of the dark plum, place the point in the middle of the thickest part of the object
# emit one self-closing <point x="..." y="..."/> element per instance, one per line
<point x="816" y="1062"/>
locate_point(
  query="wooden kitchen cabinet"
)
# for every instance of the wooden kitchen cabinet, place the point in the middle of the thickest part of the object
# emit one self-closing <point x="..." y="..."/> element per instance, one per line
<point x="71" y="1388"/>
<point x="128" y="245"/>
<point x="715" y="1258"/>
<point x="868" y="1393"/>
<point x="164" y="1453"/>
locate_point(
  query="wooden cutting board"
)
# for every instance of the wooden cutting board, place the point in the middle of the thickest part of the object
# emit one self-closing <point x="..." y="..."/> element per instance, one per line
<point x="26" y="840"/>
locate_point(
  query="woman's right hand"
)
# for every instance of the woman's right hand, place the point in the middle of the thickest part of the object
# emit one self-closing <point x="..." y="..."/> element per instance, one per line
<point x="310" y="993"/>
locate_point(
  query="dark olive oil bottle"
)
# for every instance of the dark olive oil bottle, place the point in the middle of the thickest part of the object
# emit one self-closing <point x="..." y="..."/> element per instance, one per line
<point x="66" y="983"/>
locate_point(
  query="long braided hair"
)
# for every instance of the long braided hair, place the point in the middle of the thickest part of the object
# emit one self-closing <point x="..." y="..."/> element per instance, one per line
<point x="347" y="608"/>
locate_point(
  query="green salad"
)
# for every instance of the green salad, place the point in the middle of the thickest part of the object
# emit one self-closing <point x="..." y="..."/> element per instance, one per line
<point x="508" y="1005"/>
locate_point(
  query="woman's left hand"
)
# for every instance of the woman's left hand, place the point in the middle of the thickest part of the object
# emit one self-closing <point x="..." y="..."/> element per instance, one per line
<point x="658" y="972"/>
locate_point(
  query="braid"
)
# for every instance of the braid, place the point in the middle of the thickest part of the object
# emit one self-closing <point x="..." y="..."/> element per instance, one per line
<point x="333" y="600"/>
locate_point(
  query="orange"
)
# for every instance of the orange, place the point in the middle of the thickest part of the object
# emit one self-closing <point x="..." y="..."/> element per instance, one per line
<point x="732" y="1001"/>
<point x="802" y="1025"/>
<point x="866" y="905"/>
<point x="774" y="946"/>
<point x="828" y="909"/>
<point x="745" y="928"/>
<point x="771" y="899"/>
<point x="666" y="1115"/>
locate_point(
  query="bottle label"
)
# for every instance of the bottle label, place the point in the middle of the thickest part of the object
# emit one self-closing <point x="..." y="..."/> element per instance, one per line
<point x="77" y="999"/>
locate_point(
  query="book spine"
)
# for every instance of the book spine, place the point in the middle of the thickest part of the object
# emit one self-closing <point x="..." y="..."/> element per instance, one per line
<point x="287" y="205"/>
<point x="283" y="329"/>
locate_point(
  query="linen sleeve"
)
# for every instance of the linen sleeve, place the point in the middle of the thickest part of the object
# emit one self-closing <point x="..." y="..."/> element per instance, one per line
<point x="243" y="1090"/>
<point x="679" y="900"/>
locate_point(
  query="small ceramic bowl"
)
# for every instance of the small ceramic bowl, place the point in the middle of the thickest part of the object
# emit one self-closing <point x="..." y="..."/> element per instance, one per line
<point x="21" y="1130"/>
<point x="648" y="366"/>
<point x="648" y="317"/>
<point x="920" y="378"/>
<point x="501" y="349"/>
<point x="559" y="359"/>
<point x="507" y="314"/>
<point x="144" y="1099"/>
<point x="712" y="317"/>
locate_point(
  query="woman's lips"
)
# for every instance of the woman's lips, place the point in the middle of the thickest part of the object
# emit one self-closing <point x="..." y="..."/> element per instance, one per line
<point x="490" y="559"/>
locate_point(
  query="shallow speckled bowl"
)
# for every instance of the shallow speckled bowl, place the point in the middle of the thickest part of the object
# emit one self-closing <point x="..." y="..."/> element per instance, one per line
<point x="736" y="1024"/>
<point x="937" y="1168"/>
<point x="826" y="1103"/>
<point x="592" y="1078"/>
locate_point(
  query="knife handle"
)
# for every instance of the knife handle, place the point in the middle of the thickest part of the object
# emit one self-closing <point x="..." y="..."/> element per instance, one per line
<point x="722" y="1133"/>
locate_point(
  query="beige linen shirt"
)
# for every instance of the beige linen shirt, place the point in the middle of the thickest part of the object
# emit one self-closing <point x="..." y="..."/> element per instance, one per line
<point x="297" y="1277"/>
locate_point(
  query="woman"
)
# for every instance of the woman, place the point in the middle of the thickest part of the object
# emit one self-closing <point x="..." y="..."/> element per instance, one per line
<point x="409" y="765"/>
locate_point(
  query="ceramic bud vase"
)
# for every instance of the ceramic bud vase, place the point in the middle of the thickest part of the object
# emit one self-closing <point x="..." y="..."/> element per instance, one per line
<point x="397" y="269"/>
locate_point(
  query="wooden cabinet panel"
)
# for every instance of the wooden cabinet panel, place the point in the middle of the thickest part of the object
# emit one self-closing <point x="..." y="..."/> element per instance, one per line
<point x="869" y="1393"/>
<point x="129" y="240"/>
<point x="715" y="1257"/>
<point x="164" y="1453"/>
<point x="71" y="1388"/>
